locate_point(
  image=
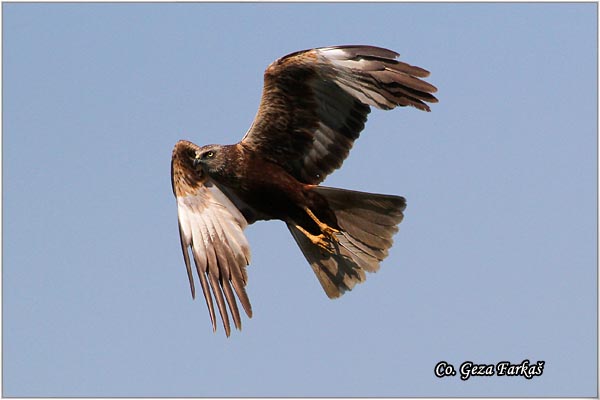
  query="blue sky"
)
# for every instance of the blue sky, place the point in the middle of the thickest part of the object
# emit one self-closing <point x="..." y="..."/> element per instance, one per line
<point x="495" y="260"/>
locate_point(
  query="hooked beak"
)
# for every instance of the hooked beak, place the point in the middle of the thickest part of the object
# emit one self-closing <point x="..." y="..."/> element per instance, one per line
<point x="196" y="161"/>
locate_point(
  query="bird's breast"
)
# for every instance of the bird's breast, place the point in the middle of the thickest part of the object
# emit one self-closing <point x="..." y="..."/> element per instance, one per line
<point x="264" y="186"/>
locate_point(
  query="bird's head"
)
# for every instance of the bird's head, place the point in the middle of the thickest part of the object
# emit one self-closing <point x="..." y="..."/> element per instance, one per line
<point x="209" y="159"/>
<point x="192" y="164"/>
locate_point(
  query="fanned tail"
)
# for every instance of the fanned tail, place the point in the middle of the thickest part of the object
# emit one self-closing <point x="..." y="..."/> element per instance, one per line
<point x="368" y="222"/>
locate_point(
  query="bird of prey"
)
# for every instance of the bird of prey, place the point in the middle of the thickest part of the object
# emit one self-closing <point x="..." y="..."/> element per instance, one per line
<point x="314" y="105"/>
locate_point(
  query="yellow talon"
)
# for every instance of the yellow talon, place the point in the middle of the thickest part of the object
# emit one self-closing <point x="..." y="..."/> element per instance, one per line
<point x="326" y="229"/>
<point x="320" y="240"/>
<point x="327" y="237"/>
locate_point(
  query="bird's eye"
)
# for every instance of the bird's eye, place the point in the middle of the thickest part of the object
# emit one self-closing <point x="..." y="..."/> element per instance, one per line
<point x="209" y="154"/>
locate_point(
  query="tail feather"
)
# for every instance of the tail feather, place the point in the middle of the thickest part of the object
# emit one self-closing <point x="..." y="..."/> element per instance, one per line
<point x="366" y="257"/>
<point x="334" y="272"/>
<point x="363" y="231"/>
<point x="368" y="222"/>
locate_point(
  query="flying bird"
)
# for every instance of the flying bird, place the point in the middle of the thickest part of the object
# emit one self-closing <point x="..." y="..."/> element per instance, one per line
<point x="314" y="105"/>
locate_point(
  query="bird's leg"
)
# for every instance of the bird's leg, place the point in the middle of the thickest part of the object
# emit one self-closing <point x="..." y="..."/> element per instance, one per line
<point x="326" y="238"/>
<point x="320" y="240"/>
<point x="326" y="229"/>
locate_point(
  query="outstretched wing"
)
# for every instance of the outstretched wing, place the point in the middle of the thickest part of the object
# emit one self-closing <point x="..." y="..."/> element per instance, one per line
<point x="315" y="104"/>
<point x="211" y="227"/>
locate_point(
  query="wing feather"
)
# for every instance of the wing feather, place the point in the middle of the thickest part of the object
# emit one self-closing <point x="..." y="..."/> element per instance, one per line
<point x="205" y="288"/>
<point x="186" y="259"/>
<point x="211" y="227"/>
<point x="224" y="260"/>
<point x="315" y="104"/>
<point x="216" y="288"/>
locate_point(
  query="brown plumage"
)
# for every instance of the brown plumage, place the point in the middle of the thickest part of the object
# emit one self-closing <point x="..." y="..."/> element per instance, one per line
<point x="314" y="105"/>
